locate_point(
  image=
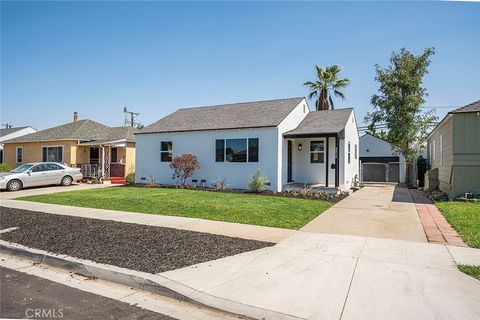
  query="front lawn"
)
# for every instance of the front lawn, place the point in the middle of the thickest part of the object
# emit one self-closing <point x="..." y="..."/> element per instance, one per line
<point x="473" y="271"/>
<point x="232" y="207"/>
<point x="465" y="218"/>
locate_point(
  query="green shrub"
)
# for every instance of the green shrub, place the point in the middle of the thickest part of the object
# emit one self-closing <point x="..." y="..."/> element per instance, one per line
<point x="4" y="167"/>
<point x="130" y="178"/>
<point x="258" y="182"/>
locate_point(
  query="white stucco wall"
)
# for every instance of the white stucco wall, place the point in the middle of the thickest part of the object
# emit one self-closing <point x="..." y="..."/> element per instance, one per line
<point x="303" y="170"/>
<point x="371" y="146"/>
<point x="202" y="144"/>
<point x="289" y="123"/>
<point x="350" y="169"/>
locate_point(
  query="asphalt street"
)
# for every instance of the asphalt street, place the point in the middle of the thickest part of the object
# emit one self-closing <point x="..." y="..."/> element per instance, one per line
<point x="24" y="296"/>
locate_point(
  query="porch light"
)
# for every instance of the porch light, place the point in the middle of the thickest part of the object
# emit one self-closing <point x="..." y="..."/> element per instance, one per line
<point x="299" y="147"/>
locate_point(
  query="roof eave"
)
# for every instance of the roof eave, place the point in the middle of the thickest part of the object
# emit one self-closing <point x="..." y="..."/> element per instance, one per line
<point x="201" y="130"/>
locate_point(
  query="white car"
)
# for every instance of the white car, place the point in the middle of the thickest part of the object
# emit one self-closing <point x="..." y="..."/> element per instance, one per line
<point x="39" y="174"/>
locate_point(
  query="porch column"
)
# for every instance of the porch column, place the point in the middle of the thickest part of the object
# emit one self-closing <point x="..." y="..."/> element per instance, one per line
<point x="103" y="161"/>
<point x="337" y="162"/>
<point x="327" y="162"/>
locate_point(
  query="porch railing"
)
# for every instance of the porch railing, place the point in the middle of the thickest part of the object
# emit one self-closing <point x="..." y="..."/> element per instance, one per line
<point x="91" y="170"/>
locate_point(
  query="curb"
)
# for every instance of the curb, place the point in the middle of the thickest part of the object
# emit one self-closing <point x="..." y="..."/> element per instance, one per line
<point x="141" y="280"/>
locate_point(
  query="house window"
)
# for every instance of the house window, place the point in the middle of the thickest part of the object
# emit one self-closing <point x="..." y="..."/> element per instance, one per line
<point x="52" y="154"/>
<point x="166" y="151"/>
<point x="348" y="152"/>
<point x="253" y="150"/>
<point x="236" y="150"/>
<point x="19" y="153"/>
<point x="220" y="150"/>
<point x="441" y="149"/>
<point x="356" y="152"/>
<point x="317" y="151"/>
<point x="114" y="155"/>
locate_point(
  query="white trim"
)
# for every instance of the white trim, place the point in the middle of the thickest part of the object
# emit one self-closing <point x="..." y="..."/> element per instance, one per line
<point x="310" y="140"/>
<point x="53" y="146"/>
<point x="16" y="154"/>
<point x="441" y="149"/>
<point x="434" y="151"/>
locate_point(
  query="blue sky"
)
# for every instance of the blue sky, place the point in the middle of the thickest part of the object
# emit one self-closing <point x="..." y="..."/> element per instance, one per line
<point x="155" y="57"/>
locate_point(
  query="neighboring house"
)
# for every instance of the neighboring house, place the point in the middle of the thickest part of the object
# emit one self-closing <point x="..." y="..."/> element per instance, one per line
<point x="10" y="133"/>
<point x="453" y="152"/>
<point x="382" y="162"/>
<point x="100" y="151"/>
<point x="283" y="137"/>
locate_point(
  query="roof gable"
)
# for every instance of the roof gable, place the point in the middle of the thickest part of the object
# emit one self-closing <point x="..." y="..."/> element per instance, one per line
<point x="322" y="122"/>
<point x="85" y="130"/>
<point x="229" y="116"/>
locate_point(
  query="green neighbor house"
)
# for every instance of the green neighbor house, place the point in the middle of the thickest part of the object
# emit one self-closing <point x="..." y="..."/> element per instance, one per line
<point x="454" y="153"/>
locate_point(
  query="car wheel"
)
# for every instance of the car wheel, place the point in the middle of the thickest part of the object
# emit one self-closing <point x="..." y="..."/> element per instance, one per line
<point x="14" y="185"/>
<point x="66" y="181"/>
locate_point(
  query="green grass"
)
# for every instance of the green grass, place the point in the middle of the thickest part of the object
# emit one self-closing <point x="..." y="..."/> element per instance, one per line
<point x="465" y="218"/>
<point x="473" y="271"/>
<point x="232" y="207"/>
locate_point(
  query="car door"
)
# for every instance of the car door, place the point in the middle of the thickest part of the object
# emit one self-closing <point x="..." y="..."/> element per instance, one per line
<point x="36" y="176"/>
<point x="54" y="173"/>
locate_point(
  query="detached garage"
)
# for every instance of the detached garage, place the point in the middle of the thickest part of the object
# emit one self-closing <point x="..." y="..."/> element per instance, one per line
<point x="379" y="162"/>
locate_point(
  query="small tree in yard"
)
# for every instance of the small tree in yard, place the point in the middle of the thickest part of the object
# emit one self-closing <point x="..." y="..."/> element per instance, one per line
<point x="399" y="102"/>
<point x="184" y="166"/>
<point x="258" y="181"/>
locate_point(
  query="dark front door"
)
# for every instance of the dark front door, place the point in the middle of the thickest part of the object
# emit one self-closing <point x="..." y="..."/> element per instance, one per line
<point x="94" y="155"/>
<point x="289" y="161"/>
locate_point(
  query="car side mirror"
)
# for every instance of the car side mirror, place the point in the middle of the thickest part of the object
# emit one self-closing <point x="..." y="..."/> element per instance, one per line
<point x="29" y="172"/>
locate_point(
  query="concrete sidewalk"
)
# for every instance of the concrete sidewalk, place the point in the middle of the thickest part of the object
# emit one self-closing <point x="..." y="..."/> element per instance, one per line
<point x="230" y="229"/>
<point x="373" y="211"/>
<point x="318" y="276"/>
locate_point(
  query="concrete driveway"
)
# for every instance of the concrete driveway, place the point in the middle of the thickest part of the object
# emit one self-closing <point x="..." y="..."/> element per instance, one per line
<point x="323" y="276"/>
<point x="374" y="211"/>
<point x="51" y="189"/>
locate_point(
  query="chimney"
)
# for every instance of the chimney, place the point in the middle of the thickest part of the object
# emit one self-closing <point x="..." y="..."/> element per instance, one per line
<point x="75" y="116"/>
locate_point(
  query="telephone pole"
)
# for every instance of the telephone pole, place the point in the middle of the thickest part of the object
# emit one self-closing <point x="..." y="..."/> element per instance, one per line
<point x="130" y="117"/>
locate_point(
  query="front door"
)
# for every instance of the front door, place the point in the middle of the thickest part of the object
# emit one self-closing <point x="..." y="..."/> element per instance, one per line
<point x="94" y="155"/>
<point x="289" y="161"/>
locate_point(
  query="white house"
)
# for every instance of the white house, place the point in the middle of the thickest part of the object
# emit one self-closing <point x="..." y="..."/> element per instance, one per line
<point x="291" y="143"/>
<point x="383" y="163"/>
<point x="10" y="133"/>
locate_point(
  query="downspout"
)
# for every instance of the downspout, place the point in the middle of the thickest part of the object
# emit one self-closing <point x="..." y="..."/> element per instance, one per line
<point x="337" y="162"/>
<point x="103" y="161"/>
<point x="327" y="161"/>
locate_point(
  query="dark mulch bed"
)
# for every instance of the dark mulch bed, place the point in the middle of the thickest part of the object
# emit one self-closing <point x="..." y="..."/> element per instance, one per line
<point x="128" y="245"/>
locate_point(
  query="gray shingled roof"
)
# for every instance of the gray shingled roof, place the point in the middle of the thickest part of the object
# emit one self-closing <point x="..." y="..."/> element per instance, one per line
<point x="7" y="131"/>
<point x="471" y="107"/>
<point x="322" y="122"/>
<point x="85" y="130"/>
<point x="229" y="116"/>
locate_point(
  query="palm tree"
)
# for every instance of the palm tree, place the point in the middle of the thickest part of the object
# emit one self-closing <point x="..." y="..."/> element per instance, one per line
<point x="327" y="82"/>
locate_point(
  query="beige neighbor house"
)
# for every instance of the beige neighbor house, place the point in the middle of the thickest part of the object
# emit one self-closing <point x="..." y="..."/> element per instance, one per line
<point x="454" y="153"/>
<point x="100" y="151"/>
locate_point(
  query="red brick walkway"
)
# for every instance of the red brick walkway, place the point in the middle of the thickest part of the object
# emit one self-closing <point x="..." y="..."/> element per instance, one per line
<point x="436" y="227"/>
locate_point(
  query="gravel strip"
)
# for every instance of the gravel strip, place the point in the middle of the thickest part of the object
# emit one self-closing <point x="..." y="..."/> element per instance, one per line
<point x="128" y="245"/>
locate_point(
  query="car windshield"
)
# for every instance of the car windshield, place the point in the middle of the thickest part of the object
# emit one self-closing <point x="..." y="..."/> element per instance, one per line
<point x="22" y="168"/>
